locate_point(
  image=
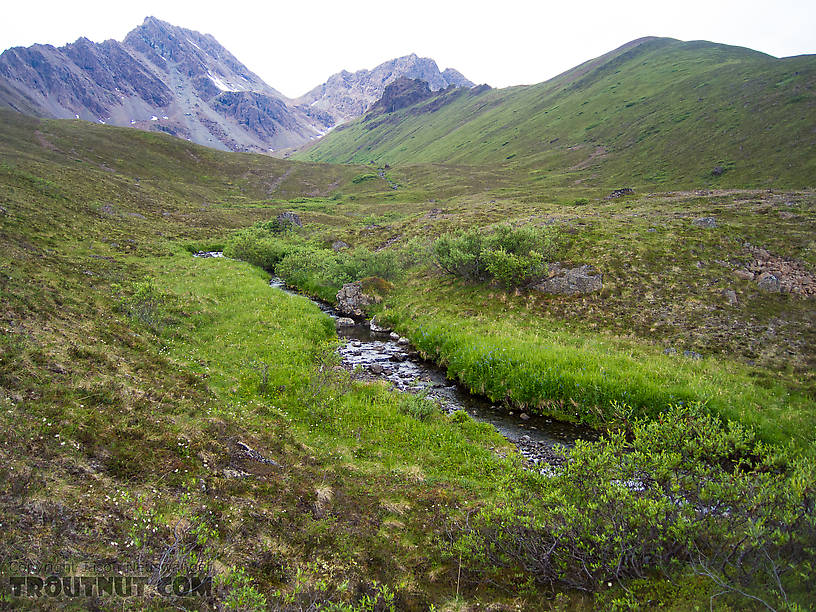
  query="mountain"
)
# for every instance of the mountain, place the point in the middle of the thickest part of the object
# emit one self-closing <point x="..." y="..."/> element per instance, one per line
<point x="347" y="95"/>
<point x="165" y="78"/>
<point x="653" y="111"/>
<point x="161" y="77"/>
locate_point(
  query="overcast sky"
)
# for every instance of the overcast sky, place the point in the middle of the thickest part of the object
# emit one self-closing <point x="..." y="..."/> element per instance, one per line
<point x="296" y="45"/>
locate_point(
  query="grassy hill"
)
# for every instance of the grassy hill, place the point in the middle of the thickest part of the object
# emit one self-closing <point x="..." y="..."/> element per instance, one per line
<point x="166" y="410"/>
<point x="655" y="112"/>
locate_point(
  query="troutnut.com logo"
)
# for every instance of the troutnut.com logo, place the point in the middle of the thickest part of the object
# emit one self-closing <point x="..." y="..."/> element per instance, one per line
<point x="112" y="586"/>
<point x="25" y="578"/>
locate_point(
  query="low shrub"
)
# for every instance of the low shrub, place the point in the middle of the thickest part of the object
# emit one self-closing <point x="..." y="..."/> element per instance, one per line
<point x="260" y="247"/>
<point x="143" y="302"/>
<point x="511" y="256"/>
<point x="511" y="270"/>
<point x="679" y="493"/>
<point x="361" y="178"/>
<point x="322" y="272"/>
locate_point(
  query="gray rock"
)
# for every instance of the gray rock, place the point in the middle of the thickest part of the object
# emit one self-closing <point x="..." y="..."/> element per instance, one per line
<point x="403" y="341"/>
<point x="744" y="274"/>
<point x="344" y="322"/>
<point x="620" y="192"/>
<point x="718" y="170"/>
<point x="571" y="281"/>
<point x="378" y="329"/>
<point x="352" y="301"/>
<point x="289" y="219"/>
<point x="394" y="336"/>
<point x="705" y="222"/>
<point x="339" y="245"/>
<point x="376" y="368"/>
<point x="770" y="283"/>
<point x="731" y="296"/>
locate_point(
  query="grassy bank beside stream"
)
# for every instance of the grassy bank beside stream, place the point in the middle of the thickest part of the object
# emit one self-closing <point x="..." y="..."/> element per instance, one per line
<point x="491" y="343"/>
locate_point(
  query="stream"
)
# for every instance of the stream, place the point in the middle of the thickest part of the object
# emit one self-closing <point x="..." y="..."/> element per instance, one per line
<point x="383" y="355"/>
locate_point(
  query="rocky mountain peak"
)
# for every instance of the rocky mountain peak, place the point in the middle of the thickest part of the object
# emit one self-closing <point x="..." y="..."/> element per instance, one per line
<point x="401" y="93"/>
<point x="345" y="95"/>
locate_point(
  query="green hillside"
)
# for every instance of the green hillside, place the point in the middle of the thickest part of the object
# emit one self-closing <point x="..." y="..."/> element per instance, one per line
<point x="655" y="112"/>
<point x="174" y="413"/>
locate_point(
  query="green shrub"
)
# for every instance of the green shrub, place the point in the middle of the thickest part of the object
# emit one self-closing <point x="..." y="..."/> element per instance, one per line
<point x="417" y="251"/>
<point x="460" y="253"/>
<point x="511" y="270"/>
<point x="143" y="302"/>
<point x="259" y="247"/>
<point x="511" y="256"/>
<point x="679" y="493"/>
<point x="316" y="271"/>
<point x="322" y="272"/>
<point x="360" y="178"/>
<point x="419" y="406"/>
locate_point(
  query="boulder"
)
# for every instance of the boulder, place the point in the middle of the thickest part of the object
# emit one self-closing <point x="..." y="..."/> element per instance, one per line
<point x="378" y="329"/>
<point x="770" y="283"/>
<point x="571" y="281"/>
<point x="625" y="191"/>
<point x="352" y="301"/>
<point x="744" y="274"/>
<point x="288" y="219"/>
<point x="344" y="322"/>
<point x="705" y="222"/>
<point x="339" y="245"/>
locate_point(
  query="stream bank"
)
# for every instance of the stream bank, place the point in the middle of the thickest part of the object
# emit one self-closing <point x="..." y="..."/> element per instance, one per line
<point x="374" y="354"/>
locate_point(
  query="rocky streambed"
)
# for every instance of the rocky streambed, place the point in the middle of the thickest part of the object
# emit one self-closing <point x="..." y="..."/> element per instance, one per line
<point x="374" y="353"/>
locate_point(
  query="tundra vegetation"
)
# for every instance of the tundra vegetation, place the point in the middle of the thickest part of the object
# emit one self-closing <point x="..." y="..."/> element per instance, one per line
<point x="177" y="412"/>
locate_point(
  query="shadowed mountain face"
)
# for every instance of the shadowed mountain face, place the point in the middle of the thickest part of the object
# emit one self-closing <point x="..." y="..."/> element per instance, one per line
<point x="170" y="79"/>
<point x="347" y="95"/>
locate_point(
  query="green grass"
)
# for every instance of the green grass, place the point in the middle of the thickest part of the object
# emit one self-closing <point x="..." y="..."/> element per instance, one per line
<point x="661" y="113"/>
<point x="514" y="356"/>
<point x="241" y="323"/>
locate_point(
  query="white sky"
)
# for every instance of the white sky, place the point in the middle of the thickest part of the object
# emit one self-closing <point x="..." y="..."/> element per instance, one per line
<point x="295" y="45"/>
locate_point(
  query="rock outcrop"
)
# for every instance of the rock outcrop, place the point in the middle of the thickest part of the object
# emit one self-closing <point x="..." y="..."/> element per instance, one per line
<point x="352" y="301"/>
<point x="778" y="275"/>
<point x="288" y="219"/>
<point x="403" y="92"/>
<point x="618" y="193"/>
<point x="705" y="222"/>
<point x="571" y="281"/>
<point x="348" y="95"/>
